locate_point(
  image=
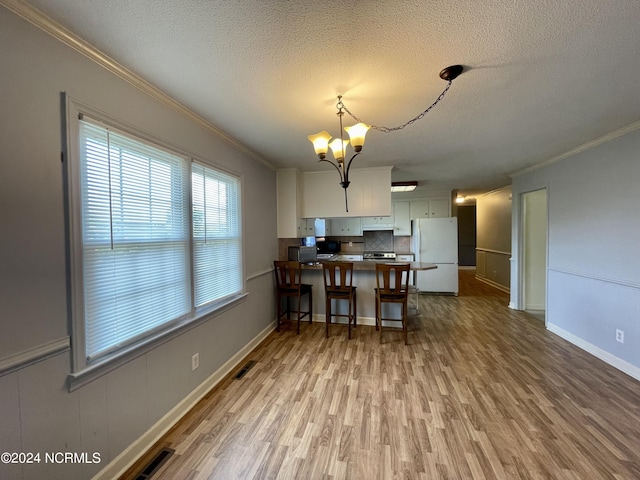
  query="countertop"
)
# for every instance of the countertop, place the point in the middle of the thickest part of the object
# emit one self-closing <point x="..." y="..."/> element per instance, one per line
<point x="370" y="265"/>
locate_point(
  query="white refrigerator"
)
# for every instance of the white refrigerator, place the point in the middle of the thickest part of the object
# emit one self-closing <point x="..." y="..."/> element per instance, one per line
<point x="435" y="240"/>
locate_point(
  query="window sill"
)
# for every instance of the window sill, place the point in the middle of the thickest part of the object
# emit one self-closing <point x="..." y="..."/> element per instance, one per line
<point x="96" y="370"/>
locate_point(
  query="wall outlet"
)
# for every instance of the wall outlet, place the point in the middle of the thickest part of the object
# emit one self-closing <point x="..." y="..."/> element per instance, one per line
<point x="195" y="361"/>
<point x="619" y="336"/>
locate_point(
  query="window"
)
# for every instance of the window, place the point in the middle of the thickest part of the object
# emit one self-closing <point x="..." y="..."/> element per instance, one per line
<point x="216" y="234"/>
<point x="159" y="242"/>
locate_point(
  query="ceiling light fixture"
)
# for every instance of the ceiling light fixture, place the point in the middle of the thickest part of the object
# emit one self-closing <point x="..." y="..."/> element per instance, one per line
<point x="358" y="132"/>
<point x="403" y="186"/>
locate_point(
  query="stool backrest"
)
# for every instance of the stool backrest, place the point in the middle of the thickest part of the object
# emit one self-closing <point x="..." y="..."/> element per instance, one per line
<point x="288" y="273"/>
<point x="392" y="278"/>
<point x="338" y="275"/>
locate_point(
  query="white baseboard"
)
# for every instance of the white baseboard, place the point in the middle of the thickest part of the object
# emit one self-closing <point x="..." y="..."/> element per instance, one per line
<point x="603" y="355"/>
<point x="535" y="307"/>
<point x="133" y="452"/>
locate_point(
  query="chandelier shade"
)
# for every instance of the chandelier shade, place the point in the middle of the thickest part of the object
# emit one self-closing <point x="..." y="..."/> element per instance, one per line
<point x="357" y="133"/>
<point x="338" y="147"/>
<point x="320" y="143"/>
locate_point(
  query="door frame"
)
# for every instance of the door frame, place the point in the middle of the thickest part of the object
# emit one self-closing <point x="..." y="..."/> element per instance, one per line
<point x="522" y="247"/>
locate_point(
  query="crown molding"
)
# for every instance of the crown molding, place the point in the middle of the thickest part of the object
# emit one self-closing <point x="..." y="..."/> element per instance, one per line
<point x="581" y="148"/>
<point x="56" y="30"/>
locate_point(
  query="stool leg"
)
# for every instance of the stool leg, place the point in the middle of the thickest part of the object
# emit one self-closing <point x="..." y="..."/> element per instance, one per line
<point x="355" y="308"/>
<point x="298" y="320"/>
<point x="379" y="316"/>
<point x="279" y="310"/>
<point x="310" y="305"/>
<point x="404" y="321"/>
<point x="327" y="320"/>
<point x="349" y="315"/>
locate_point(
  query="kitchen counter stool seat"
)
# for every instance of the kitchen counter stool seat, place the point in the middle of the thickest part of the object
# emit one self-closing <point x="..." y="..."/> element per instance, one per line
<point x="338" y="285"/>
<point x="288" y="285"/>
<point x="392" y="282"/>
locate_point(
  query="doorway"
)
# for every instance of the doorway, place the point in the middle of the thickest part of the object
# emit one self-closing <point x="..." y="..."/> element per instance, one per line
<point x="466" y="235"/>
<point x="534" y="252"/>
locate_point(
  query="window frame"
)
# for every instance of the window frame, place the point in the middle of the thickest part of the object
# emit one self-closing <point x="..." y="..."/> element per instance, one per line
<point x="84" y="371"/>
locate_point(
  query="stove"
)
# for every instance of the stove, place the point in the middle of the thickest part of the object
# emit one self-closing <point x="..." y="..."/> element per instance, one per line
<point x="385" y="256"/>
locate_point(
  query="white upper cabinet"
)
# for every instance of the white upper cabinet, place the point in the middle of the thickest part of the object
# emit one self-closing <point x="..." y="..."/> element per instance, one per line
<point x="376" y="192"/>
<point x="368" y="195"/>
<point x="439" y="208"/>
<point x="313" y="195"/>
<point x="430" y="208"/>
<point x="345" y="227"/>
<point x="289" y="195"/>
<point x="377" y="223"/>
<point x="306" y="227"/>
<point x="401" y="218"/>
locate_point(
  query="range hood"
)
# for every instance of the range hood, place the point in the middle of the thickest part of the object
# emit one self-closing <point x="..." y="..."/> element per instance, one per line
<point x="371" y="228"/>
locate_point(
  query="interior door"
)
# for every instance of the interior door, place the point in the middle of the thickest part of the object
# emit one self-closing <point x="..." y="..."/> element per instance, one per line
<point x="534" y="249"/>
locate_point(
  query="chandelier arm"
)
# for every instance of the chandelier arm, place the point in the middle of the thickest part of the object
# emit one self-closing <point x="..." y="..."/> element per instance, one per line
<point x="346" y="174"/>
<point x="342" y="179"/>
<point x="400" y="127"/>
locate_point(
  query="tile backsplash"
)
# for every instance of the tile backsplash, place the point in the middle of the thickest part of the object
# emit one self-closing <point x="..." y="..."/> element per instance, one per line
<point x="372" y="241"/>
<point x="378" y="241"/>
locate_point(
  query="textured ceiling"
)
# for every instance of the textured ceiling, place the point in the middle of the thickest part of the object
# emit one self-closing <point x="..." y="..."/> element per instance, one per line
<point x="541" y="77"/>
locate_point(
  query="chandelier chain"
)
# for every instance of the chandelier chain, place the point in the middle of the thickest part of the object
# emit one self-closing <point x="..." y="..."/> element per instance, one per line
<point x="399" y="127"/>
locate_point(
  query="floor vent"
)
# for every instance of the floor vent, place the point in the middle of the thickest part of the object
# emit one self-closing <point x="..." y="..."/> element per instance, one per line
<point x="154" y="465"/>
<point x="245" y="369"/>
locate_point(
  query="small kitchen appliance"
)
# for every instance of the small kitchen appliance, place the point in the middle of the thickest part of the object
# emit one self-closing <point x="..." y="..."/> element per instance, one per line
<point x="303" y="254"/>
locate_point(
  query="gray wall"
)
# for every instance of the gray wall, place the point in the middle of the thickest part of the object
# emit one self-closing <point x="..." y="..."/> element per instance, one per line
<point x="593" y="285"/>
<point x="38" y="413"/>
<point x="493" y="250"/>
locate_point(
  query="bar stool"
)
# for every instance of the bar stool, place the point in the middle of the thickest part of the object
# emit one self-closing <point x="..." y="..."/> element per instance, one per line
<point x="288" y="285"/>
<point x="392" y="280"/>
<point x="338" y="285"/>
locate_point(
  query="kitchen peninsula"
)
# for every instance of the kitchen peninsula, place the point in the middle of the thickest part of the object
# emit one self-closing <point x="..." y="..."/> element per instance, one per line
<point x="364" y="278"/>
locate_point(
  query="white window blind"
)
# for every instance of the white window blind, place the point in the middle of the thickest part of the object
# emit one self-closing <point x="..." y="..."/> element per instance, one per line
<point x="135" y="238"/>
<point x="217" y="240"/>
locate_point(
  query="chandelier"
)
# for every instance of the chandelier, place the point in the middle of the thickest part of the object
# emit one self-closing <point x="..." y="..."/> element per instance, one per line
<point x="358" y="132"/>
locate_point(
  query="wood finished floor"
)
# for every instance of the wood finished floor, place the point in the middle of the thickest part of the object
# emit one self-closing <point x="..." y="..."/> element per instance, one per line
<point x="481" y="392"/>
